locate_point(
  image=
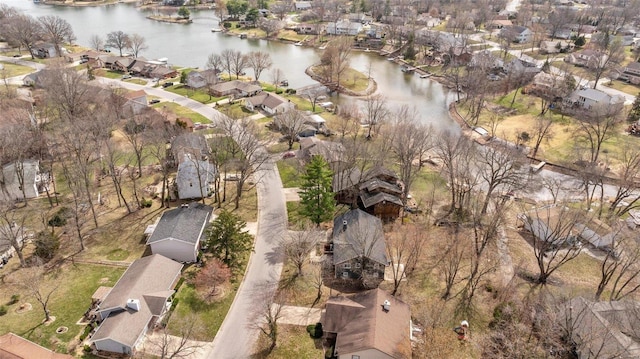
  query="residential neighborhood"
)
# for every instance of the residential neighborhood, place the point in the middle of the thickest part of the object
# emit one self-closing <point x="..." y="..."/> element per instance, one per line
<point x="317" y="179"/>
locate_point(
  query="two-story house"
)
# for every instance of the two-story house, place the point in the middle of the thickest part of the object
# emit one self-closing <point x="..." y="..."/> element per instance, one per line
<point x="515" y="33"/>
<point x="631" y="73"/>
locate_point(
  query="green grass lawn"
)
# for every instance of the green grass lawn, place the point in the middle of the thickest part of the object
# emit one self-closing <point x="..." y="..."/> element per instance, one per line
<point x="293" y="342"/>
<point x="108" y="73"/>
<point x="76" y="283"/>
<point x="196" y="95"/>
<point x="290" y="35"/>
<point x="624" y="87"/>
<point x="293" y="213"/>
<point x="182" y="111"/>
<point x="289" y="172"/>
<point x="211" y="314"/>
<point x="136" y="81"/>
<point x="11" y="70"/>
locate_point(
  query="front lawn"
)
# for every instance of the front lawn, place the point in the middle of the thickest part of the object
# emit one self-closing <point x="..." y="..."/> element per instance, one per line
<point x="182" y="111"/>
<point x="11" y="70"/>
<point x="624" y="87"/>
<point x="289" y="172"/>
<point x="108" y="73"/>
<point x="76" y="283"/>
<point x="293" y="342"/>
<point x="196" y="95"/>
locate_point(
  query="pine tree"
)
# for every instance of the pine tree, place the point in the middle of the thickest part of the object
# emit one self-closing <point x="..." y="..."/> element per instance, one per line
<point x="316" y="197"/>
<point x="227" y="240"/>
<point x="634" y="112"/>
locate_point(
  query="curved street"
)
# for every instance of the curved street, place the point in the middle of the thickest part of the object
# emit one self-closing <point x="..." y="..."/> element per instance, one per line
<point x="237" y="336"/>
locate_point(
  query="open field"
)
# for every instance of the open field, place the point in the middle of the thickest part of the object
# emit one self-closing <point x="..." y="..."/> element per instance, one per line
<point x="11" y="70"/>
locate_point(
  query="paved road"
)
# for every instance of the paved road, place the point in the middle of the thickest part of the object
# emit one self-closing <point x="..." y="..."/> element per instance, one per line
<point x="238" y="333"/>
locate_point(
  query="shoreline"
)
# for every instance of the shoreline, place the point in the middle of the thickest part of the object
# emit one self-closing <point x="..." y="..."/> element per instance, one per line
<point x="372" y="87"/>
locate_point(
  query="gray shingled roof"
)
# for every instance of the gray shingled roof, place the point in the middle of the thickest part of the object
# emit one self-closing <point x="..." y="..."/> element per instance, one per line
<point x="362" y="236"/>
<point x="370" y="199"/>
<point x="184" y="223"/>
<point x="361" y="323"/>
<point x="148" y="279"/>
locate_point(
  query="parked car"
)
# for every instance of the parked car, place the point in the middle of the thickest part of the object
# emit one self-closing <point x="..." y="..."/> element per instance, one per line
<point x="154" y="101"/>
<point x="288" y="154"/>
<point x="126" y="76"/>
<point x="167" y="84"/>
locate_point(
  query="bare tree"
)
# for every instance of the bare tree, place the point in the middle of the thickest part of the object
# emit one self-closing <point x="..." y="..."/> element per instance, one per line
<point x="32" y="281"/>
<point x="210" y="277"/>
<point x="270" y="26"/>
<point x="404" y="251"/>
<point x="215" y="62"/>
<point x="610" y="53"/>
<point x="179" y="342"/>
<point x="450" y="260"/>
<point x="627" y="197"/>
<point x="335" y="62"/>
<point x="134" y="132"/>
<point x="410" y="141"/>
<point x="375" y="113"/>
<point x="245" y="133"/>
<point x="541" y="131"/>
<point x="500" y="167"/>
<point x="349" y="119"/>
<point x="554" y="240"/>
<point x="314" y="95"/>
<point x="259" y="61"/>
<point x="236" y="61"/>
<point x="597" y="125"/>
<point x="119" y="40"/>
<point x="299" y="244"/>
<point x="276" y="77"/>
<point x="137" y="44"/>
<point x="97" y="43"/>
<point x="57" y="30"/>
<point x="12" y="226"/>
<point x="22" y="30"/>
<point x="619" y="270"/>
<point x="268" y="312"/>
<point x="291" y="123"/>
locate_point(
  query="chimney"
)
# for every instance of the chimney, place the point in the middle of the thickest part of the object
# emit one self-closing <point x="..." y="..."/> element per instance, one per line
<point x="386" y="305"/>
<point x="133" y="304"/>
<point x="344" y="225"/>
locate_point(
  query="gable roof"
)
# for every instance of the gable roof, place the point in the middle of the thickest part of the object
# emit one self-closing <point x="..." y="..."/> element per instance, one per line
<point x="13" y="346"/>
<point x="605" y="329"/>
<point x="132" y="95"/>
<point x="183" y="223"/>
<point x="189" y="143"/>
<point x="361" y="236"/>
<point x="146" y="280"/>
<point x="236" y="85"/>
<point x="267" y="99"/>
<point x="361" y="323"/>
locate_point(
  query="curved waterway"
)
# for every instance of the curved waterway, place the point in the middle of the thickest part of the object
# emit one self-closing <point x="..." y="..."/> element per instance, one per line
<point x="189" y="45"/>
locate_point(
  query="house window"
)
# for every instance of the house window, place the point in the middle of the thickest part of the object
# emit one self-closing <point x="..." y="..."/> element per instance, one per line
<point x="346" y="266"/>
<point x="358" y="265"/>
<point x="345" y="274"/>
<point x="355" y="357"/>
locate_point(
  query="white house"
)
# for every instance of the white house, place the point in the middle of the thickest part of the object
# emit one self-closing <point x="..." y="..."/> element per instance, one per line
<point x="194" y="177"/>
<point x="344" y="27"/>
<point x="135" y="303"/>
<point x="177" y="233"/>
<point x="269" y="103"/>
<point x="136" y="102"/>
<point x="589" y="98"/>
<point x="519" y="34"/>
<point x="16" y="175"/>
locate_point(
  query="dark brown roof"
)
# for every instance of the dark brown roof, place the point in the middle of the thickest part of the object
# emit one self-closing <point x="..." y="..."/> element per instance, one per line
<point x="361" y="324"/>
<point x="16" y="347"/>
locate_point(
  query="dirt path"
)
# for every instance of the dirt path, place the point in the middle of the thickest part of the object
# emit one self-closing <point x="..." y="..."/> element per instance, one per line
<point x="504" y="257"/>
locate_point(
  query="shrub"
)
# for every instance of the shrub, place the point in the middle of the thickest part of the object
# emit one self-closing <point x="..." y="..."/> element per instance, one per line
<point x="3" y="310"/>
<point x="85" y="333"/>
<point x="291" y="91"/>
<point x="146" y="203"/>
<point x="315" y="330"/>
<point x="86" y="349"/>
<point x="46" y="245"/>
<point x="14" y="299"/>
<point x="227" y="25"/>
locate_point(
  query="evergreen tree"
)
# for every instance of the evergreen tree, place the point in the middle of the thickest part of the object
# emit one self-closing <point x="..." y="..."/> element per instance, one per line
<point x="227" y="240"/>
<point x="634" y="112"/>
<point x="316" y="197"/>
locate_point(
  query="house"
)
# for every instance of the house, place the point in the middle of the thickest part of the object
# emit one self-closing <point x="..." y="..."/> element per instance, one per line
<point x="13" y="346"/>
<point x="557" y="46"/>
<point x="178" y="232"/>
<point x="378" y="191"/>
<point x="236" y="88"/>
<point x="344" y="27"/>
<point x="268" y="102"/>
<point x="188" y="143"/>
<point x="200" y="79"/>
<point x="135" y="304"/>
<point x="514" y="33"/>
<point x="195" y="177"/>
<point x="332" y="152"/>
<point x="46" y="50"/>
<point x="359" y="250"/>
<point x="606" y="329"/>
<point x="136" y="102"/>
<point x="23" y="179"/>
<point x="302" y="5"/>
<point x="371" y="324"/>
<point x="631" y="73"/>
<point x="310" y="28"/>
<point x="588" y="98"/>
<point x="498" y="24"/>
<point x="587" y="58"/>
<point x="560" y="226"/>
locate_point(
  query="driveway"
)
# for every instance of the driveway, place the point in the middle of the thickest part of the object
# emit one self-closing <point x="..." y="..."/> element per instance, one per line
<point x="238" y="333"/>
